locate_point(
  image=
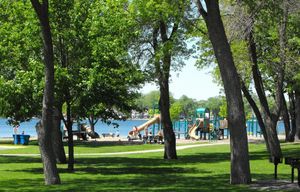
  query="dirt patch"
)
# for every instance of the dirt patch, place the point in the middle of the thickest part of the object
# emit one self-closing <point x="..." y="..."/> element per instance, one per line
<point x="270" y="185"/>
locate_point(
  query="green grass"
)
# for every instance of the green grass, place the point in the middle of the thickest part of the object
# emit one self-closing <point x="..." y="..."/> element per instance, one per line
<point x="197" y="169"/>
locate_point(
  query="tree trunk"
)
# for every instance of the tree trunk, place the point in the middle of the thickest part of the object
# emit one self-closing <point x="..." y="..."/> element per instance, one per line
<point x="297" y="109"/>
<point x="273" y="140"/>
<point x="57" y="142"/>
<point x="44" y="133"/>
<point x="281" y="68"/>
<point x="257" y="114"/>
<point x="70" y="138"/>
<point x="291" y="137"/>
<point x="92" y="122"/>
<point x="270" y="120"/>
<point x="286" y="120"/>
<point x="240" y="168"/>
<point x="169" y="136"/>
<point x="163" y="73"/>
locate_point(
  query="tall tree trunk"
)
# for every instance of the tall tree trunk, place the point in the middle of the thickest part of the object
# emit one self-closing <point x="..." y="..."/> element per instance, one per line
<point x="291" y="137"/>
<point x="44" y="133"/>
<point x="257" y="113"/>
<point x="169" y="136"/>
<point x="270" y="120"/>
<point x="297" y="110"/>
<point x="281" y="68"/>
<point x="240" y="168"/>
<point x="286" y="121"/>
<point x="57" y="143"/>
<point x="162" y="70"/>
<point x="70" y="138"/>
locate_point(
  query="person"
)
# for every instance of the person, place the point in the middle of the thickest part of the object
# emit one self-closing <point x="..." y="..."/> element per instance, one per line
<point x="140" y="136"/>
<point x="16" y="129"/>
<point x="160" y="136"/>
<point x="150" y="137"/>
<point x="22" y="132"/>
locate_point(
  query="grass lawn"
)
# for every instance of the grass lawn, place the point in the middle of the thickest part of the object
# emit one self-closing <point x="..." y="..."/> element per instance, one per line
<point x="197" y="169"/>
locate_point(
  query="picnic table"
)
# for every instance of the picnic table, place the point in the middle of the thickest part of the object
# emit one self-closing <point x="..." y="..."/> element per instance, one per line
<point x="294" y="162"/>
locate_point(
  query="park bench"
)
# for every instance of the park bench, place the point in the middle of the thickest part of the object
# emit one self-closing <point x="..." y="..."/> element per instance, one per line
<point x="294" y="162"/>
<point x="275" y="161"/>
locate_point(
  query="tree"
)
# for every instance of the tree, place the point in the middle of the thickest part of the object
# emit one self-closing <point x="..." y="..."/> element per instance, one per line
<point x="22" y="74"/>
<point x="161" y="42"/>
<point x="176" y="110"/>
<point x="189" y="105"/>
<point x="95" y="75"/>
<point x="148" y="101"/>
<point x="240" y="169"/>
<point x="44" y="133"/>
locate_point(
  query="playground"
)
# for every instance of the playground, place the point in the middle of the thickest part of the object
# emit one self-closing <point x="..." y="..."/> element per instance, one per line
<point x="202" y="126"/>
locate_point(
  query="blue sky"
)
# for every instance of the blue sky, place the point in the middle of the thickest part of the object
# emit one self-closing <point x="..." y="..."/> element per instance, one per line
<point x="194" y="83"/>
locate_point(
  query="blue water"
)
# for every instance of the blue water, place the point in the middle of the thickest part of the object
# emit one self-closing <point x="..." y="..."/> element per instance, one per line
<point x="29" y="127"/>
<point x="123" y="129"/>
<point x="254" y="129"/>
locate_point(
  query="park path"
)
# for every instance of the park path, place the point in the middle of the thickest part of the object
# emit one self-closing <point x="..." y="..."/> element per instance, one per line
<point x="182" y="147"/>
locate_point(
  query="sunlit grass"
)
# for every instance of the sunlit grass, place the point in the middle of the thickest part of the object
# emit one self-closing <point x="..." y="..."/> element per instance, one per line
<point x="197" y="169"/>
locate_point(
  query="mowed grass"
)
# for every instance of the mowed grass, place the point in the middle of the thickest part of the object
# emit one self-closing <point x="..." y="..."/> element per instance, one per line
<point x="204" y="168"/>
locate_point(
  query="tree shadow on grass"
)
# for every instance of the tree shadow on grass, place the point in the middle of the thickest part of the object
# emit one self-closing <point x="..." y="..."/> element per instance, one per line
<point x="16" y="159"/>
<point x="142" y="182"/>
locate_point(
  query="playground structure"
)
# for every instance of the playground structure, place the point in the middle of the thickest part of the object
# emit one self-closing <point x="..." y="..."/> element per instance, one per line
<point x="135" y="133"/>
<point x="201" y="126"/>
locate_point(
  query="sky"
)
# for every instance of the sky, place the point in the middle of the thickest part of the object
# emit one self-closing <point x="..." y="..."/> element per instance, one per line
<point x="194" y="83"/>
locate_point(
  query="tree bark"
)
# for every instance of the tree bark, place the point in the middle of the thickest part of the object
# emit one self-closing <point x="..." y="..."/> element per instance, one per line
<point x="169" y="136"/>
<point x="286" y="121"/>
<point x="240" y="168"/>
<point x="291" y="137"/>
<point x="164" y="102"/>
<point x="92" y="122"/>
<point x="281" y="68"/>
<point x="70" y="138"/>
<point x="57" y="142"/>
<point x="44" y="133"/>
<point x="270" y="120"/>
<point x="257" y="113"/>
<point x="297" y="110"/>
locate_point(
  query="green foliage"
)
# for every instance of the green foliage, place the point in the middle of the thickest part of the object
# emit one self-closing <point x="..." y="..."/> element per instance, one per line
<point x="188" y="105"/>
<point x="223" y="109"/>
<point x="148" y="101"/>
<point x="149" y="15"/>
<point x="21" y="74"/>
<point x="176" y="110"/>
<point x="93" y="69"/>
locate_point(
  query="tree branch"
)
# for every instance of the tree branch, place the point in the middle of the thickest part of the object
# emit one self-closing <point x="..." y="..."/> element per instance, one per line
<point x="201" y="9"/>
<point x="37" y="7"/>
<point x="174" y="30"/>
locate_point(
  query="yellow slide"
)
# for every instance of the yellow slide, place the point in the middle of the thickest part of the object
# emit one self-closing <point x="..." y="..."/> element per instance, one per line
<point x="192" y="132"/>
<point x="136" y="130"/>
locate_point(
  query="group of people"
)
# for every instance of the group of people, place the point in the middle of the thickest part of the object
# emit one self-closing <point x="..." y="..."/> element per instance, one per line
<point x="148" y="137"/>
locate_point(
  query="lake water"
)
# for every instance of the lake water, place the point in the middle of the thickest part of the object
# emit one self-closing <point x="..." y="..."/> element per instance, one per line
<point x="123" y="129"/>
<point x="29" y="127"/>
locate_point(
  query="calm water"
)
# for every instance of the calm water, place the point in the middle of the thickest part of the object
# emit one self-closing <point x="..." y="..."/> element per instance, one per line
<point x="29" y="127"/>
<point x="123" y="129"/>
